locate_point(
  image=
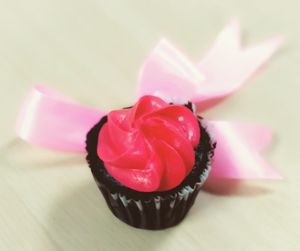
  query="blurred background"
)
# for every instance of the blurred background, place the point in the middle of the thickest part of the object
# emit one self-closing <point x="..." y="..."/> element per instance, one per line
<point x="92" y="50"/>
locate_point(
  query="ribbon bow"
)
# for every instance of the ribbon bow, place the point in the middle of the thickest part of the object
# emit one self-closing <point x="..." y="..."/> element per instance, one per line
<point x="52" y="120"/>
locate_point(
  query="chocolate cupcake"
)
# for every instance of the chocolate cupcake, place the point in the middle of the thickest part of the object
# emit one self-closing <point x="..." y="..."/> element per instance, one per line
<point x="150" y="161"/>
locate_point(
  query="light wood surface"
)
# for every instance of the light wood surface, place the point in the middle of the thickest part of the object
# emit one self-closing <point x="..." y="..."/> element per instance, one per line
<point x="91" y="50"/>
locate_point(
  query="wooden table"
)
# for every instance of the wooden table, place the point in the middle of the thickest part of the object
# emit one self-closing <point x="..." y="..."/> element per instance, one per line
<point x="91" y="50"/>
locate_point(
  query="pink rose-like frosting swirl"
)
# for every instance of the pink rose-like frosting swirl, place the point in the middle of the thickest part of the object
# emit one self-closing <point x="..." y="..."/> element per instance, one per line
<point x="149" y="147"/>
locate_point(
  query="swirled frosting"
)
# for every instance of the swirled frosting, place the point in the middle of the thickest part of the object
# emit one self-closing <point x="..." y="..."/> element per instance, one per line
<point x="150" y="146"/>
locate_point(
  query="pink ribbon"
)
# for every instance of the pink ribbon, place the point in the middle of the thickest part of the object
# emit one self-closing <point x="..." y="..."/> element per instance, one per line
<point x="51" y="120"/>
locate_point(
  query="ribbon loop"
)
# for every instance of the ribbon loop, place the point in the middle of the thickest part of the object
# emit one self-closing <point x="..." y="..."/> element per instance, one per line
<point x="237" y="152"/>
<point x="49" y="119"/>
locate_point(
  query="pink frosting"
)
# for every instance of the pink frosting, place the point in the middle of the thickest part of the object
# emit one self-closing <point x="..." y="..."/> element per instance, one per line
<point x="149" y="147"/>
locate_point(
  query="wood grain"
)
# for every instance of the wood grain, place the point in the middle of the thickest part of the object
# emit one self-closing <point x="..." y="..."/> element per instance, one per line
<point x="92" y="50"/>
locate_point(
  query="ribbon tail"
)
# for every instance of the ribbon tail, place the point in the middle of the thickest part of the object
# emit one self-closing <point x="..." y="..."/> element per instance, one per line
<point x="49" y="119"/>
<point x="167" y="72"/>
<point x="227" y="65"/>
<point x="237" y="153"/>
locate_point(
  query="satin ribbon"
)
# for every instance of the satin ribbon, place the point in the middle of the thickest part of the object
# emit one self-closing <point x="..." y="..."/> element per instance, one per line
<point x="49" y="119"/>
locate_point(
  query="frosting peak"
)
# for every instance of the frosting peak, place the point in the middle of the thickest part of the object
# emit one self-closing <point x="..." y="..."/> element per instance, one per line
<point x="150" y="146"/>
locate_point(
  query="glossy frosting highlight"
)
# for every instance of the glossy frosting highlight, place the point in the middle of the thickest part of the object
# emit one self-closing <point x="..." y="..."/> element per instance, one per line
<point x="150" y="146"/>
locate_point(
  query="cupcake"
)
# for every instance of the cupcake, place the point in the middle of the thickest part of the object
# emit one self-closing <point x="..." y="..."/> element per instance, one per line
<point x="150" y="161"/>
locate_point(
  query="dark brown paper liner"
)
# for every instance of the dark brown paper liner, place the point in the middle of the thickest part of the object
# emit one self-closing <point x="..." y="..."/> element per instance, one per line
<point x="150" y="210"/>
